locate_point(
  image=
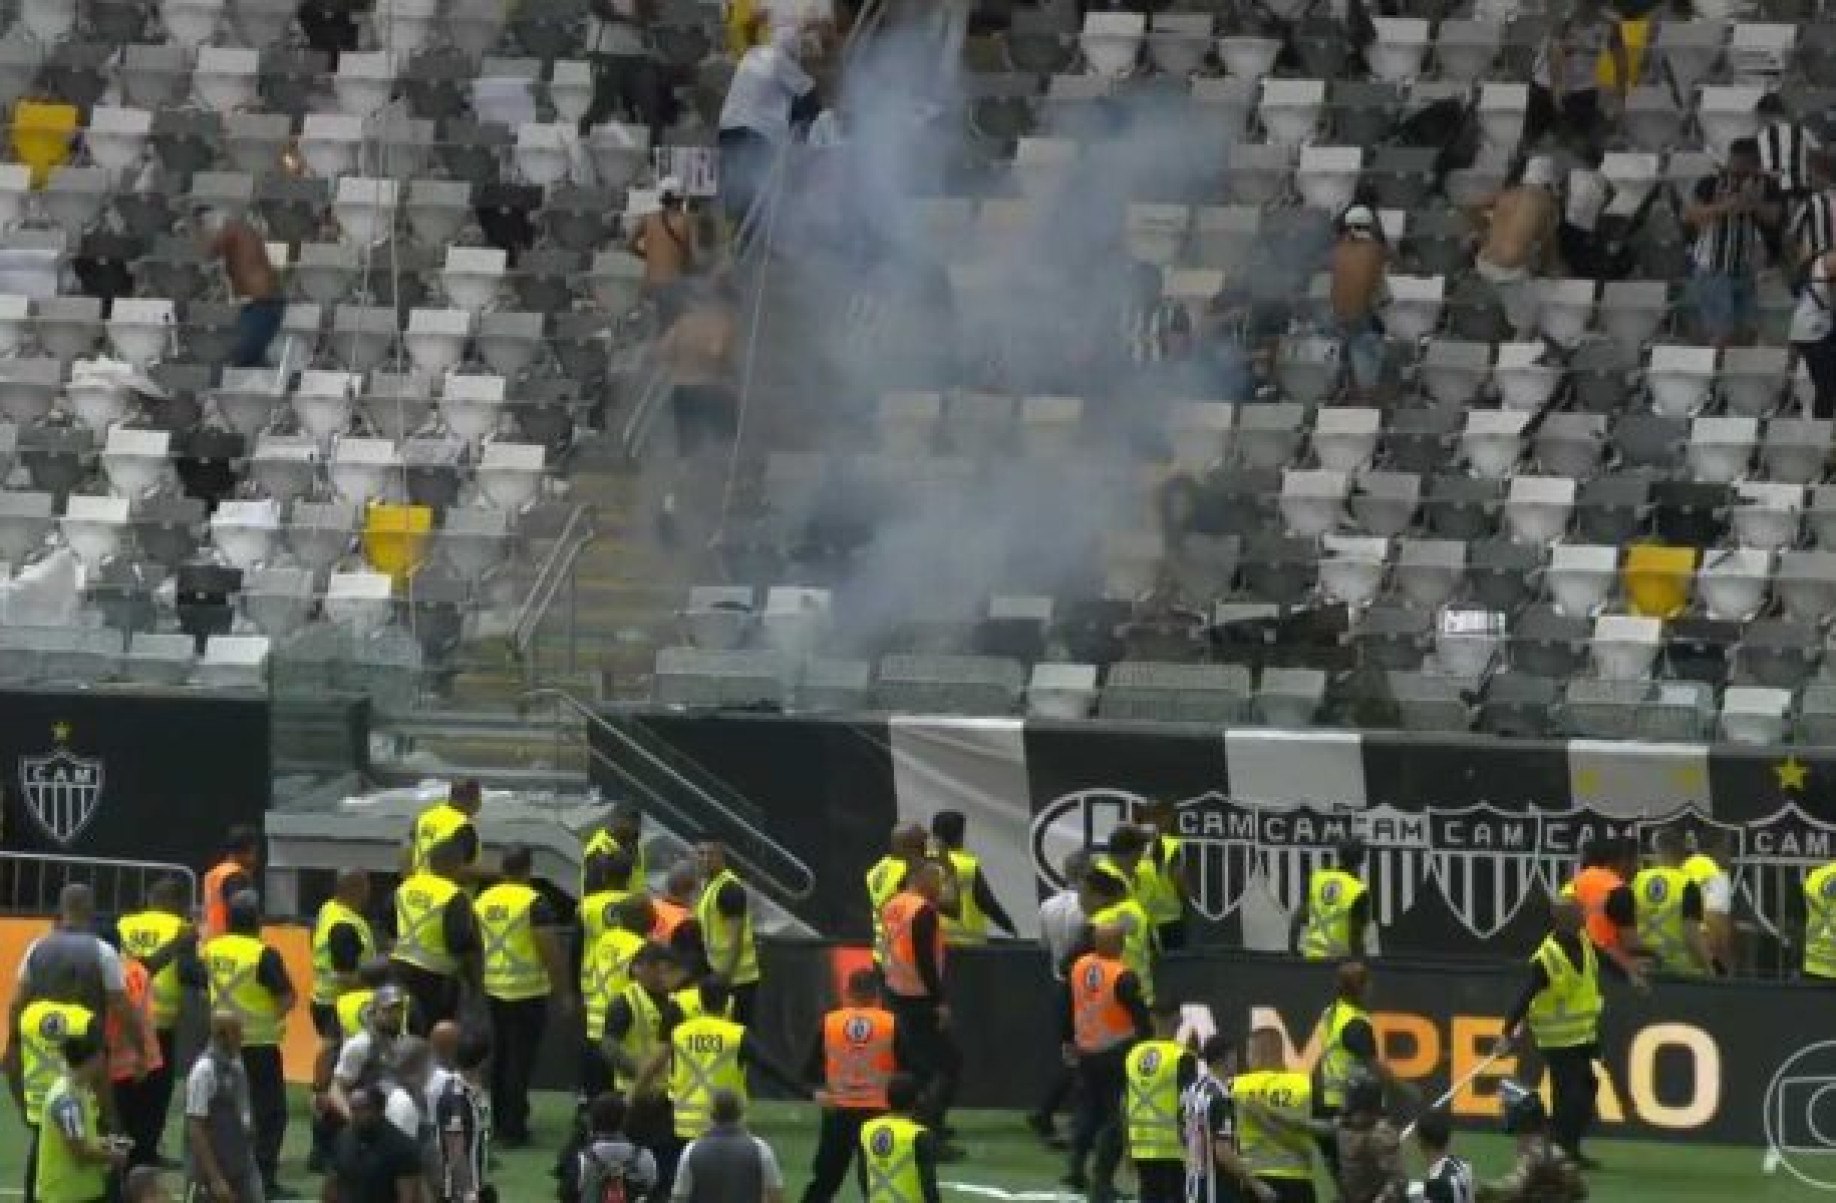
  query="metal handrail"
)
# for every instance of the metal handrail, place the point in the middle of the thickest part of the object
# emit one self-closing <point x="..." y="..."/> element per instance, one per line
<point x="761" y="860"/>
<point x="575" y="534"/>
<point x="111" y="892"/>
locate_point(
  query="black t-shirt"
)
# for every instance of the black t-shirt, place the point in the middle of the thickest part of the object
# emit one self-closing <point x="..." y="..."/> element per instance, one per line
<point x="368" y="1165"/>
<point x="1359" y="1040"/>
<point x="460" y="925"/>
<point x="344" y="944"/>
<point x="271" y="973"/>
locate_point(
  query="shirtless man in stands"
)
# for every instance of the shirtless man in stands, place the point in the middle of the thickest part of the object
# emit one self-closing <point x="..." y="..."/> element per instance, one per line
<point x="1358" y="293"/>
<point x="252" y="277"/>
<point x="665" y="240"/>
<point x="1520" y="241"/>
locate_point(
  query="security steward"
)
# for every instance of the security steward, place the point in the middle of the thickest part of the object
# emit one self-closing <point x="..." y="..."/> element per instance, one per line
<point x="436" y="937"/>
<point x="977" y="907"/>
<point x="1161" y="881"/>
<point x="1157" y="1072"/>
<point x="724" y="913"/>
<point x="1107" y="899"/>
<point x="898" y="1153"/>
<point x="1104" y="1015"/>
<point x="523" y="965"/>
<point x="342" y="941"/>
<point x="707" y="1053"/>
<point x="1330" y="924"/>
<point x="692" y="998"/>
<point x="608" y="884"/>
<point x="1543" y="1173"/>
<point x="77" y="1161"/>
<point x="914" y="962"/>
<point x="1273" y="1105"/>
<point x="230" y="877"/>
<point x="639" y="1024"/>
<point x="250" y="978"/>
<point x="1707" y="866"/>
<point x="1348" y="1047"/>
<point x="624" y="833"/>
<point x="1608" y="909"/>
<point x="1669" y="908"/>
<point x="905" y="851"/>
<point x="35" y="1058"/>
<point x="134" y="1080"/>
<point x="1820" y="923"/>
<point x="854" y="1058"/>
<point x="605" y="974"/>
<point x="676" y="927"/>
<point x="1560" y="1004"/>
<point x="449" y="822"/>
<point x="161" y="938"/>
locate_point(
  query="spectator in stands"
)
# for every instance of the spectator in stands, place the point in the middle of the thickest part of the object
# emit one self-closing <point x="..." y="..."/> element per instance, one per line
<point x="1565" y="80"/>
<point x="1813" y="333"/>
<point x="770" y="94"/>
<point x="1583" y="203"/>
<point x="1360" y="260"/>
<point x="330" y="27"/>
<point x="1729" y="213"/>
<point x="699" y="351"/>
<point x="244" y="254"/>
<point x="627" y="77"/>
<point x="1520" y="241"/>
<point x="665" y="240"/>
<point x="1812" y="229"/>
<point x="1786" y="149"/>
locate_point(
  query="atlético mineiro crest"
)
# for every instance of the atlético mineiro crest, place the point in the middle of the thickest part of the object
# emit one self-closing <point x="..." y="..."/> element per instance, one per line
<point x="62" y="790"/>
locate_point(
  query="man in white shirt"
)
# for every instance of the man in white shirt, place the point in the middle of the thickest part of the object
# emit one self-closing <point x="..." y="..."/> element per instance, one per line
<point x="1061" y="927"/>
<point x="1583" y="202"/>
<point x="770" y="93"/>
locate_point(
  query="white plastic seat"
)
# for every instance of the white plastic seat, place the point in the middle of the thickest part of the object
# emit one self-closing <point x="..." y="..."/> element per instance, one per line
<point x="1401" y="45"/>
<point x="1767" y="514"/>
<point x="1062" y="691"/>
<point x="364" y="81"/>
<point x="323" y="401"/>
<point x="1352" y="568"/>
<point x="93" y="526"/>
<point x="326" y="271"/>
<point x="1345" y="438"/>
<point x="409" y="23"/>
<point x="1156" y="234"/>
<point x="1428" y="571"/>
<point x="1493" y="440"/>
<point x="1414" y="308"/>
<point x="135" y="461"/>
<point x="435" y="339"/>
<point x="15" y="316"/>
<point x="542" y="152"/>
<point x="1453" y="371"/>
<point x="329" y="143"/>
<point x="285" y="465"/>
<point x="1307" y="368"/>
<point x="47" y="21"/>
<point x="510" y="474"/>
<point x="619" y="152"/>
<point x="1313" y="500"/>
<point x="1807" y="584"/>
<point x="225" y="78"/>
<point x="471" y="404"/>
<point x="570" y="90"/>
<point x="139" y="328"/>
<point x="472" y="276"/>
<point x="1680" y="378"/>
<point x="15" y="186"/>
<point x="1200" y="432"/>
<point x="361" y="601"/>
<point x="438" y="209"/>
<point x="1502" y="107"/>
<point x="234" y="662"/>
<point x="1761" y="51"/>
<point x="1797" y="449"/>
<point x="1525" y="378"/>
<point x="1248" y="58"/>
<point x="1042" y="166"/>
<point x="1631" y="312"/>
<point x="244" y="532"/>
<point x="363" y="469"/>
<point x="1721" y="448"/>
<point x="1178" y="41"/>
<point x="1725" y="113"/>
<point x="1755" y="714"/>
<point x="362" y="336"/>
<point x="1632" y="176"/>
<point x="365" y="208"/>
<point x="1111" y="41"/>
<point x="116" y="137"/>
<point x="1732" y="582"/>
<point x="1752" y="379"/>
<point x="1580" y="577"/>
<point x="796" y="619"/>
<point x="1567" y="309"/>
<point x="190" y="23"/>
<point x="1290" y="109"/>
<point x="1327" y="176"/>
<point x="1537" y="508"/>
<point x="1625" y="646"/>
<point x="1688" y="51"/>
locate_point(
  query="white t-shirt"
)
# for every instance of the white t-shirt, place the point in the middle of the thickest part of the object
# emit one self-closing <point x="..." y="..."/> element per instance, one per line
<point x="1061" y="923"/>
<point x="1588" y="194"/>
<point x="1718" y="895"/>
<point x="766" y="83"/>
<point x="403" y="1113"/>
<point x="1810" y="321"/>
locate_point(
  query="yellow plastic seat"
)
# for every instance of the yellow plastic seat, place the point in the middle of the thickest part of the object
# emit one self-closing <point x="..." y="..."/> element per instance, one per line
<point x="1658" y="579"/>
<point x="43" y="132"/>
<point x="395" y="539"/>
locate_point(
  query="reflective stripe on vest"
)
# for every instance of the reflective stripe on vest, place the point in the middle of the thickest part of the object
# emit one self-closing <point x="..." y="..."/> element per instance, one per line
<point x="643" y="1036"/>
<point x="1099" y="1021"/>
<point x="704" y="1058"/>
<point x="145" y="935"/>
<point x="1150" y="1102"/>
<point x="971" y="925"/>
<point x="1657" y="894"/>
<point x="885" y="879"/>
<point x="1139" y="943"/>
<point x="900" y="958"/>
<point x="354" y="1011"/>
<point x="1336" y="1061"/>
<point x="858" y="1057"/>
<point x="889" y="1155"/>
<point x="420" y="923"/>
<point x="43" y="1028"/>
<point x="1331" y="895"/>
<point x="325" y="987"/>
<point x="233" y="963"/>
<point x="1566" y="1012"/>
<point x="1268" y="1150"/>
<point x="606" y="974"/>
<point x="718" y="934"/>
<point x="513" y="966"/>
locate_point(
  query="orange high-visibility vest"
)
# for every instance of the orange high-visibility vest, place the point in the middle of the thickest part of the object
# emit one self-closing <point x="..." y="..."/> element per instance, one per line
<point x="1592" y="888"/>
<point x="216" y="913"/>
<point x="857" y="1047"/>
<point x="896" y="919"/>
<point x="1099" y="1020"/>
<point x="669" y="916"/>
<point x="124" y="1045"/>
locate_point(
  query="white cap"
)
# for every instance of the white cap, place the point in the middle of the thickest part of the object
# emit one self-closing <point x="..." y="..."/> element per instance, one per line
<point x="669" y="185"/>
<point x="1359" y="217"/>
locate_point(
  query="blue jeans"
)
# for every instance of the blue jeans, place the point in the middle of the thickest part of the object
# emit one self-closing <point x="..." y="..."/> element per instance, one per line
<point x="256" y="326"/>
<point x="1724" y="303"/>
<point x="1363" y="341"/>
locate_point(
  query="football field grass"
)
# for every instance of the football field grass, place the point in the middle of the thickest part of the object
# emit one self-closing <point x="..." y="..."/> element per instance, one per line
<point x="1006" y="1162"/>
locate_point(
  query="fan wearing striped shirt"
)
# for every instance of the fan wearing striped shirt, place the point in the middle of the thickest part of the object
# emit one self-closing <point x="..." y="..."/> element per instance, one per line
<point x="1446" y="1178"/>
<point x="1730" y="213"/>
<point x="1215" y="1173"/>
<point x="1811" y="232"/>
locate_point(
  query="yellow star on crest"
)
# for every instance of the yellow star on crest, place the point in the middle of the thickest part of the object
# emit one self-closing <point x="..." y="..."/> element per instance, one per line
<point x="60" y="731"/>
<point x="1793" y="773"/>
<point x="1688" y="776"/>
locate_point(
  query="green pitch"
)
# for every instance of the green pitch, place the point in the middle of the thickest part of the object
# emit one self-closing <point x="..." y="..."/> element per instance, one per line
<point x="1004" y="1160"/>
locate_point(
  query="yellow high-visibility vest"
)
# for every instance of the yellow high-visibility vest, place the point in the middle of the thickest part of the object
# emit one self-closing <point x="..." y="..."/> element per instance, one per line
<point x="43" y="1027"/>
<point x="325" y="988"/>
<point x="513" y="967"/>
<point x="704" y="1058"/>
<point x="889" y="1159"/>
<point x="233" y="964"/>
<point x="61" y="1176"/>
<point x="433" y="827"/>
<point x="1139" y="942"/>
<point x="1337" y="1064"/>
<point x="717" y="936"/>
<point x="970" y="925"/>
<point x="420" y="923"/>
<point x="1150" y="1101"/>
<point x="885" y="879"/>
<point x="1268" y="1150"/>
<point x="1657" y="895"/>
<point x="1156" y="884"/>
<point x="606" y="974"/>
<point x="1331" y="895"/>
<point x="1566" y="1012"/>
<point x="641" y="1039"/>
<point x="147" y="934"/>
<point x="1820" y="921"/>
<point x="353" y="1008"/>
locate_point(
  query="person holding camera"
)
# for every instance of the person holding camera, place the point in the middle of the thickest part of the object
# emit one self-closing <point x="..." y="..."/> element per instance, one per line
<point x="1730" y="213"/>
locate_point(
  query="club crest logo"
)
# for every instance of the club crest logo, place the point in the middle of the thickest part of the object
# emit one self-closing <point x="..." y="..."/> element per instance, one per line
<point x="62" y="790"/>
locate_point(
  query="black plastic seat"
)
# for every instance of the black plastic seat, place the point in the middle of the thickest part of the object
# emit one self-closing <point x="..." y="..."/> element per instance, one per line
<point x="205" y="600"/>
<point x="1698" y="649"/>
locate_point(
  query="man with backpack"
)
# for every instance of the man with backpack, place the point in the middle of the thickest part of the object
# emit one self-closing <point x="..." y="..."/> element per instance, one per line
<point x="607" y="1167"/>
